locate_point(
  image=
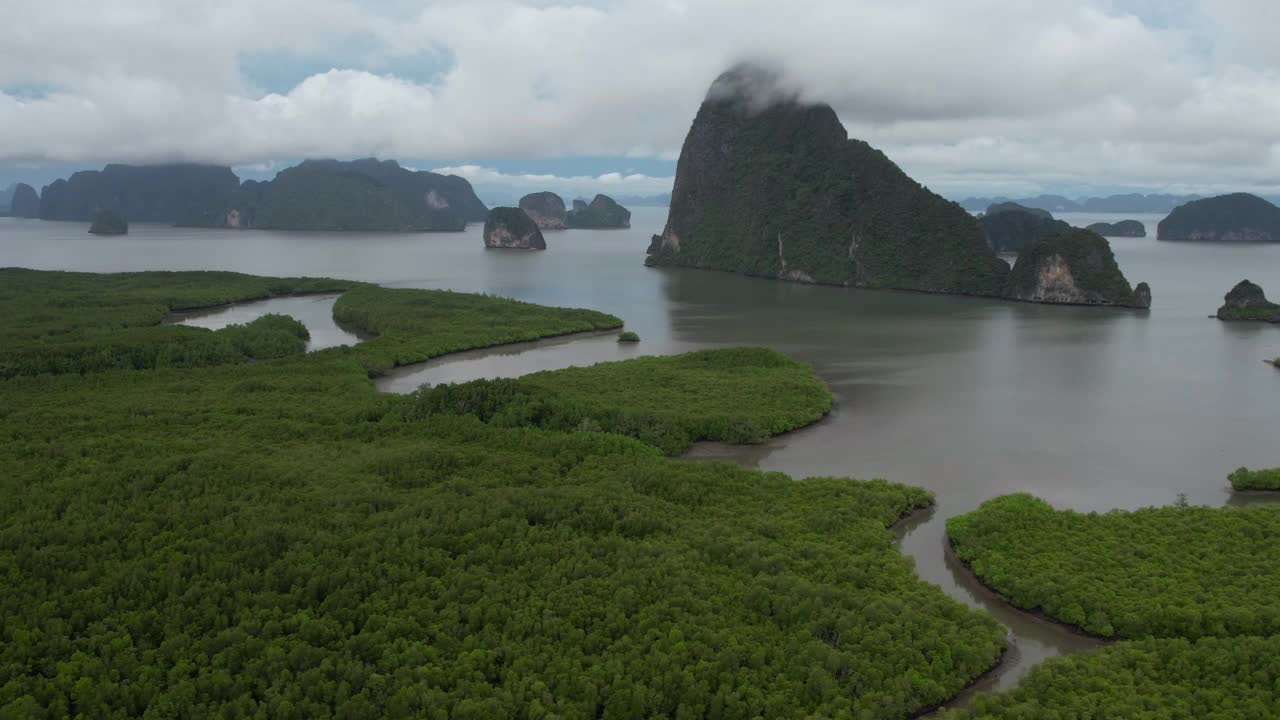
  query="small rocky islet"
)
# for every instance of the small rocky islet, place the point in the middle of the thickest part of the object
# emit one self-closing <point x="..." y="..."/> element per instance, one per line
<point x="1248" y="302"/>
<point x="1121" y="229"/>
<point x="546" y="209"/>
<point x="602" y="213"/>
<point x="108" y="222"/>
<point x="512" y="229"/>
<point x="1073" y="268"/>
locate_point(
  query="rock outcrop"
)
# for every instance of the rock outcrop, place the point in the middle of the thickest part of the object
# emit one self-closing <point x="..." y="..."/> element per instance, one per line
<point x="511" y="228"/>
<point x="360" y="195"/>
<point x="1142" y="295"/>
<point x="1236" y="218"/>
<point x="1247" y="301"/>
<point x="602" y="214"/>
<point x="771" y="186"/>
<point x="1073" y="268"/>
<point x="1123" y="229"/>
<point x="25" y="202"/>
<point x="108" y="222"/>
<point x="546" y="209"/>
<point x="1009" y="227"/>
<point x="143" y="193"/>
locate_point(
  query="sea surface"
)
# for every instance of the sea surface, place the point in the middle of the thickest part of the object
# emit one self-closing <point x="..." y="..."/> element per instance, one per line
<point x="1089" y="408"/>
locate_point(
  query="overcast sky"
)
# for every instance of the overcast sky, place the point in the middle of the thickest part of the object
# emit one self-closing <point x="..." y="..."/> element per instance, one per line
<point x="972" y="97"/>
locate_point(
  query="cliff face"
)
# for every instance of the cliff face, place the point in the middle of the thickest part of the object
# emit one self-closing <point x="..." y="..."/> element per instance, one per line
<point x="512" y="228"/>
<point x="362" y="195"/>
<point x="25" y="202"/>
<point x="769" y="186"/>
<point x="145" y="193"/>
<point x="108" y="222"/>
<point x="1240" y="217"/>
<point x="1124" y="228"/>
<point x="546" y="209"/>
<point x="1074" y="268"/>
<point x="1247" y="301"/>
<point x="1009" y="227"/>
<point x="602" y="213"/>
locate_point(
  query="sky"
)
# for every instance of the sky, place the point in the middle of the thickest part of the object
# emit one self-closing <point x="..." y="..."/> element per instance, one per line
<point x="982" y="97"/>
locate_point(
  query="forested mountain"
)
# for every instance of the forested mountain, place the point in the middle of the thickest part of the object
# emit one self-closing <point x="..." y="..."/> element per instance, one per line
<point x="1010" y="227"/>
<point x="314" y="195"/>
<point x="768" y="185"/>
<point x="358" y="195"/>
<point x="1239" y="217"/>
<point x="141" y="193"/>
<point x="25" y="202"/>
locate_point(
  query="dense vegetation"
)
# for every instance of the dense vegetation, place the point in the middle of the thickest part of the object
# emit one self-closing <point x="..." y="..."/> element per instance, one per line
<point x="62" y="322"/>
<point x="141" y="193"/>
<point x="783" y="192"/>
<point x="1247" y="302"/>
<point x="1075" y="267"/>
<point x="1239" y="217"/>
<point x="417" y="325"/>
<point x="1246" y="479"/>
<point x="628" y="336"/>
<point x="278" y="540"/>
<point x="668" y="402"/>
<point x="1165" y="572"/>
<point x="1220" y="679"/>
<point x="1009" y="227"/>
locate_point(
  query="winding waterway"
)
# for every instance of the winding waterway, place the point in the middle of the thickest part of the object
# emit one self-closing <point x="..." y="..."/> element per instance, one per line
<point x="1088" y="408"/>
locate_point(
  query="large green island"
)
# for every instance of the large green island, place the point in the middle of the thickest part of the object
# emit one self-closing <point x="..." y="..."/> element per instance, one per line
<point x="215" y="523"/>
<point x="771" y="185"/>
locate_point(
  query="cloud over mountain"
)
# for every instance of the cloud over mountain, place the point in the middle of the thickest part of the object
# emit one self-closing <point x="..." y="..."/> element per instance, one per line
<point x="979" y="95"/>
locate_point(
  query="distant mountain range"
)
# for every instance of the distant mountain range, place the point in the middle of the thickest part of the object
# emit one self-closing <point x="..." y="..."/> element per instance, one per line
<point x="361" y="195"/>
<point x="1126" y="203"/>
<point x="6" y="196"/>
<point x="659" y="200"/>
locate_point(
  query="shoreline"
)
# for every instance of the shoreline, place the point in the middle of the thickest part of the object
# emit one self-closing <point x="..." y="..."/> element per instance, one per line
<point x="451" y="356"/>
<point x="911" y="291"/>
<point x="1008" y="651"/>
<point x="1036" y="614"/>
<point x="175" y="312"/>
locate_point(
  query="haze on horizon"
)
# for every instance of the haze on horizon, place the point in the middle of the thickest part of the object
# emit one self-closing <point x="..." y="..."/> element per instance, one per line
<point x="980" y="98"/>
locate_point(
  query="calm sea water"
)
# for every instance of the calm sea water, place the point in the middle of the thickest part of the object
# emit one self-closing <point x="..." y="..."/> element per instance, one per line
<point x="1089" y="408"/>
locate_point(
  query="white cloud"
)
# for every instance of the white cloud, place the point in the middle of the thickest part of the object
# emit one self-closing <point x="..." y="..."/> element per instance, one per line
<point x="980" y="94"/>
